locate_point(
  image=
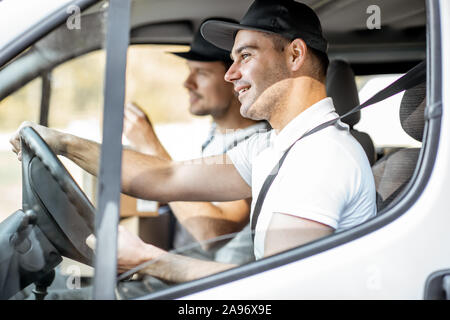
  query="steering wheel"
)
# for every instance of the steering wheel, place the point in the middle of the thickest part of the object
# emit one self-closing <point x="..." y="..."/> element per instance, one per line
<point x="64" y="213"/>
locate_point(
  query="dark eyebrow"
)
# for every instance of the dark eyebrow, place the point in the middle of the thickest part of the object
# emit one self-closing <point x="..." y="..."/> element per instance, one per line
<point x="242" y="48"/>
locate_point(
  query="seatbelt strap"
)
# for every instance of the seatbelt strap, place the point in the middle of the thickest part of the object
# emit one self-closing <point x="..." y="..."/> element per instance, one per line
<point x="230" y="145"/>
<point x="211" y="133"/>
<point x="412" y="78"/>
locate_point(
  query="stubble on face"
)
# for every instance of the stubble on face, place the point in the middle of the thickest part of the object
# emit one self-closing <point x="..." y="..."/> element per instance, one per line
<point x="264" y="73"/>
<point x="269" y="94"/>
<point x="208" y="92"/>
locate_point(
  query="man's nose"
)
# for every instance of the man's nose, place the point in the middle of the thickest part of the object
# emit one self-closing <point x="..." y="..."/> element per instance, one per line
<point x="233" y="73"/>
<point x="189" y="83"/>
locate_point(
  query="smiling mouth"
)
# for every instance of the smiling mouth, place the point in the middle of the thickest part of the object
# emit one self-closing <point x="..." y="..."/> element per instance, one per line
<point x="193" y="97"/>
<point x="242" y="91"/>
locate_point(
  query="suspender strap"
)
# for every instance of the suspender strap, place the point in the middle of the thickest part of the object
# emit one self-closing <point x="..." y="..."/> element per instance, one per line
<point x="412" y="78"/>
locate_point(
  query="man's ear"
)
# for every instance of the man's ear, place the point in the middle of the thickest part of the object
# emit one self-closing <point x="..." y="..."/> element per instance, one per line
<point x="297" y="54"/>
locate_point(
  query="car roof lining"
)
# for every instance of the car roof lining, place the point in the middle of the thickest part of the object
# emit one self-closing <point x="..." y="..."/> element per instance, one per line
<point x="399" y="44"/>
<point x="400" y="38"/>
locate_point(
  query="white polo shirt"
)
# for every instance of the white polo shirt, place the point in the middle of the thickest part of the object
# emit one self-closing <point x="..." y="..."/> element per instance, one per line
<point x="218" y="143"/>
<point x="326" y="176"/>
<point x="239" y="249"/>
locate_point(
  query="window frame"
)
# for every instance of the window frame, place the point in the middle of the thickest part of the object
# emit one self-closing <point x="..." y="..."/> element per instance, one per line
<point x="392" y="212"/>
<point x="412" y="192"/>
<point x="36" y="32"/>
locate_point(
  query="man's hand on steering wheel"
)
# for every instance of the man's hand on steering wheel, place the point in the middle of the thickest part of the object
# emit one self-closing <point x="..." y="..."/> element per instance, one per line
<point x="52" y="137"/>
<point x="131" y="250"/>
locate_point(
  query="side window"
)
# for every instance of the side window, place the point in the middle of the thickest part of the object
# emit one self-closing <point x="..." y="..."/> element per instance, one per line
<point x="384" y="114"/>
<point x="20" y="106"/>
<point x="76" y="106"/>
<point x="155" y="80"/>
<point x="73" y="91"/>
<point x="77" y="94"/>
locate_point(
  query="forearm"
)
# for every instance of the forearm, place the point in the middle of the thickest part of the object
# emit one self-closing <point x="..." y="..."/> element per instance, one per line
<point x="154" y="147"/>
<point x="177" y="268"/>
<point x="159" y="179"/>
<point x="85" y="153"/>
<point x="152" y="178"/>
<point x="133" y="252"/>
<point x="206" y="220"/>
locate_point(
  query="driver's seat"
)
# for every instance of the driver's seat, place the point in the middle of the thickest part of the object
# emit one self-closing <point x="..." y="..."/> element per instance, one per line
<point x="341" y="87"/>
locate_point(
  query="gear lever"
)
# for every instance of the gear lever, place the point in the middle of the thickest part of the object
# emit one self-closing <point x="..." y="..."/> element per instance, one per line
<point x="40" y="291"/>
<point x="31" y="255"/>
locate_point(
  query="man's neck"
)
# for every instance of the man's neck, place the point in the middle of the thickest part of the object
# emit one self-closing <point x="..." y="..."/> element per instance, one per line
<point x="232" y="119"/>
<point x="304" y="93"/>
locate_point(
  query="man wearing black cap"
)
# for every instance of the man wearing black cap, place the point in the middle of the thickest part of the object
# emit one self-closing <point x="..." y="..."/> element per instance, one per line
<point x="325" y="183"/>
<point x="211" y="95"/>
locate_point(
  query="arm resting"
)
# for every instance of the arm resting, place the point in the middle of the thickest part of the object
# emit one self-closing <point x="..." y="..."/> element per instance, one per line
<point x="205" y="220"/>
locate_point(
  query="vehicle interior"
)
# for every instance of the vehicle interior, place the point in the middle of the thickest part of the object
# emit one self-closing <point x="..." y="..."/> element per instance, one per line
<point x="58" y="202"/>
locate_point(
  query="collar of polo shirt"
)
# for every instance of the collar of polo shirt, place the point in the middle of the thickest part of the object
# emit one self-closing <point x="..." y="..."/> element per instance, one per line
<point x="316" y="114"/>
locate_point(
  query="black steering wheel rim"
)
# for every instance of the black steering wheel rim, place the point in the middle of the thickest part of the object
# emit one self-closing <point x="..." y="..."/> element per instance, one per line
<point x="65" y="214"/>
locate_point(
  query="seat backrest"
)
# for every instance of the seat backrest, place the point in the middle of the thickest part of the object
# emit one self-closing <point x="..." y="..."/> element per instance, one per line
<point x="394" y="171"/>
<point x="341" y="87"/>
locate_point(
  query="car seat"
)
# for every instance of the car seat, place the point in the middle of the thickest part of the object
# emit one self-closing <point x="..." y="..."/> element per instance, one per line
<point x="395" y="170"/>
<point x="341" y="87"/>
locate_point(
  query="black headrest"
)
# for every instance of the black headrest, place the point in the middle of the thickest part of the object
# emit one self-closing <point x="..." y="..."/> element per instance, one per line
<point x="412" y="110"/>
<point x="341" y="87"/>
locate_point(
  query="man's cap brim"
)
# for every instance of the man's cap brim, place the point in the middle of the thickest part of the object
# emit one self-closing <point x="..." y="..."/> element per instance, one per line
<point x="221" y="34"/>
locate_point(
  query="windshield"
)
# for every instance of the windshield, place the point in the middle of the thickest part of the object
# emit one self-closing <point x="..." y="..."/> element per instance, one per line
<point x="17" y="16"/>
<point x="47" y="214"/>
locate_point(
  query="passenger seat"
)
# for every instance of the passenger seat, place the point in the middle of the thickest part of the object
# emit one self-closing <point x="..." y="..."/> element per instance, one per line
<point x="341" y="87"/>
<point x="394" y="171"/>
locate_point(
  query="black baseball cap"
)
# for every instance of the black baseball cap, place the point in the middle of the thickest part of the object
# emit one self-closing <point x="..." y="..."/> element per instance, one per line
<point x="287" y="18"/>
<point x="202" y="50"/>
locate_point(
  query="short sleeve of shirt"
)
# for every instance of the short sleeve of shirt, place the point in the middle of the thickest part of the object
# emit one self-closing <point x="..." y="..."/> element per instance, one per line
<point x="242" y="155"/>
